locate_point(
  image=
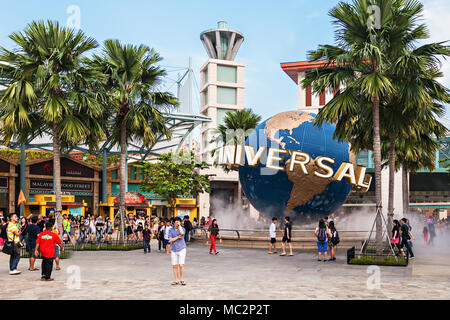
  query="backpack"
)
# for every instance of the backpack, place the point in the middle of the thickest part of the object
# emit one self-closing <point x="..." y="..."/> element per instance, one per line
<point x="335" y="238"/>
<point x="322" y="235"/>
<point x="3" y="234"/>
<point x="161" y="233"/>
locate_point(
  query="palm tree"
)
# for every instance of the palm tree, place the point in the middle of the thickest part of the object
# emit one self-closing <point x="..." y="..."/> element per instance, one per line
<point x="359" y="66"/>
<point x="134" y="102"/>
<point x="237" y="126"/>
<point x="48" y="91"/>
<point x="412" y="110"/>
<point x="446" y="164"/>
<point x="418" y="153"/>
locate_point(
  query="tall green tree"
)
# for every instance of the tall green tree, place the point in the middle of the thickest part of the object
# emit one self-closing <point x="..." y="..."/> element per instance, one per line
<point x="359" y="65"/>
<point x="412" y="111"/>
<point x="49" y="91"/>
<point x="134" y="104"/>
<point x="174" y="175"/>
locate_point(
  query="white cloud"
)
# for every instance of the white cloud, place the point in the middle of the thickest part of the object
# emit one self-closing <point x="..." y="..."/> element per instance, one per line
<point x="437" y="17"/>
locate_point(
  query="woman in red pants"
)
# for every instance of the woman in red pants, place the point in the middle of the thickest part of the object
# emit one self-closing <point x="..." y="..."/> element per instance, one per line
<point x="214" y="232"/>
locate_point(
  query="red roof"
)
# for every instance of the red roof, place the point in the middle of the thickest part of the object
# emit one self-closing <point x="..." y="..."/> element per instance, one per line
<point x="293" y="68"/>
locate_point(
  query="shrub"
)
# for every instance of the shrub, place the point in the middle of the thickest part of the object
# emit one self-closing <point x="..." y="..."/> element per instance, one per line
<point x="112" y="247"/>
<point x="376" y="260"/>
<point x="62" y="255"/>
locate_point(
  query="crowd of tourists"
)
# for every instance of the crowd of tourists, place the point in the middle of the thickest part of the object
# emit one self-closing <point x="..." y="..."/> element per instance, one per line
<point x="435" y="228"/>
<point x="39" y="236"/>
<point x="326" y="234"/>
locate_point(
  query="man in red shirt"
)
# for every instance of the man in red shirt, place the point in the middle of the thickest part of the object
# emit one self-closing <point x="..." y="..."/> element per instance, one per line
<point x="46" y="241"/>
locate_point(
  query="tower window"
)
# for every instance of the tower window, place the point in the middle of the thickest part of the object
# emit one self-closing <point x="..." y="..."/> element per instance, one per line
<point x="226" y="74"/>
<point x="226" y="95"/>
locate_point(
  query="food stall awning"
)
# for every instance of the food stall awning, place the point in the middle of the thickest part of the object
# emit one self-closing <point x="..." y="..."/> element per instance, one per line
<point x="132" y="199"/>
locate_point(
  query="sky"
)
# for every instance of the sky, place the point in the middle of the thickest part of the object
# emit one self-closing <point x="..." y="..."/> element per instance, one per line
<point x="275" y="31"/>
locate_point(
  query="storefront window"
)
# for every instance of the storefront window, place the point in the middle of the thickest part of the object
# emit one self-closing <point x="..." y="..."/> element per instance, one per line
<point x="4" y="202"/>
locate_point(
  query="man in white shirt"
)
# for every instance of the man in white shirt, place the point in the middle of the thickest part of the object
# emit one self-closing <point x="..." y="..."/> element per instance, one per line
<point x="273" y="236"/>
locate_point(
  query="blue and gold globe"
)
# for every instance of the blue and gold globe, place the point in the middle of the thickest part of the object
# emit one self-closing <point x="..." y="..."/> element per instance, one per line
<point x="278" y="192"/>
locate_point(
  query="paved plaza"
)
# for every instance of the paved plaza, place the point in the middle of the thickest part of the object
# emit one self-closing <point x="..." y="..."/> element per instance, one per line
<point x="236" y="273"/>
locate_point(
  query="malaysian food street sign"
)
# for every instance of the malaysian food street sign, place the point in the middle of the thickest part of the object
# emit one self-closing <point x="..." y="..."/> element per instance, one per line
<point x="74" y="186"/>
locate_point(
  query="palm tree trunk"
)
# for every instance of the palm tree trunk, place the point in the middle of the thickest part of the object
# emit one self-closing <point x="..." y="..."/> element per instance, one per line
<point x="123" y="178"/>
<point x="57" y="177"/>
<point x="391" y="179"/>
<point x="377" y="164"/>
<point x="405" y="188"/>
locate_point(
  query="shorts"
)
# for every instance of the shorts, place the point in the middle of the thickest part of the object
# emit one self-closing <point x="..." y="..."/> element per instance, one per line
<point x="129" y="230"/>
<point x="273" y="240"/>
<point x="178" y="257"/>
<point x="31" y="250"/>
<point x="286" y="239"/>
<point x="166" y="242"/>
<point x="322" y="246"/>
<point x="140" y="229"/>
<point x="56" y="251"/>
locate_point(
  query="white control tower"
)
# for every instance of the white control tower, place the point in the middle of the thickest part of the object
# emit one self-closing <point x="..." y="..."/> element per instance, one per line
<point x="222" y="43"/>
<point x="222" y="90"/>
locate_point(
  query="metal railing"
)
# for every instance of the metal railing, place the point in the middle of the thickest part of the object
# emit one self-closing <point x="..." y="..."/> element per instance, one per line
<point x="258" y="234"/>
<point x="70" y="247"/>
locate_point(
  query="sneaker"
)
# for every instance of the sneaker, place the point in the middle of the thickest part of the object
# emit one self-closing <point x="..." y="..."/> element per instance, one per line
<point x="14" y="272"/>
<point x="217" y="252"/>
<point x="411" y="257"/>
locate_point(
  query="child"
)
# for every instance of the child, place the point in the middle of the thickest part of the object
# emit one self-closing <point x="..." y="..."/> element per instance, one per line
<point x="273" y="236"/>
<point x="56" y="231"/>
